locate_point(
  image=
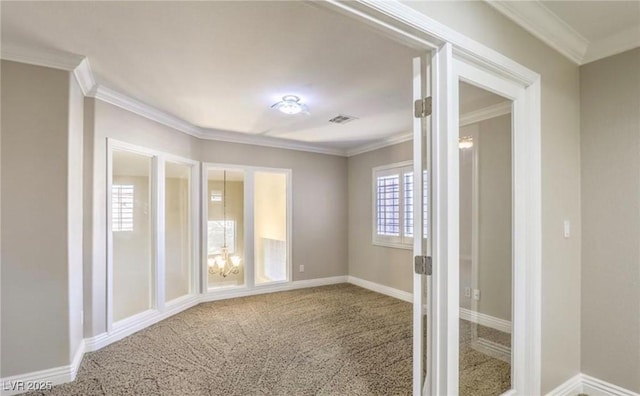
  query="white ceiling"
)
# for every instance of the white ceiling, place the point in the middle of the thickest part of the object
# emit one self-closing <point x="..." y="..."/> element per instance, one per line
<point x="221" y="65"/>
<point x="584" y="31"/>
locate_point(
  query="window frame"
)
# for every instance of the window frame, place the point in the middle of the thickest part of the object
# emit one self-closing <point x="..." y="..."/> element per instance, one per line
<point x="400" y="241"/>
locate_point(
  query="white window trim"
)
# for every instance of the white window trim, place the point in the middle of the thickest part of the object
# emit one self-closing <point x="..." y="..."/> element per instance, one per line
<point x="401" y="241"/>
<point x="159" y="306"/>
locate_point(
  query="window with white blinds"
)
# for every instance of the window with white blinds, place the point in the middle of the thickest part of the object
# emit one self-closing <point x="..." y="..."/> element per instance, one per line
<point x="122" y="196"/>
<point x="388" y="205"/>
<point x="393" y="205"/>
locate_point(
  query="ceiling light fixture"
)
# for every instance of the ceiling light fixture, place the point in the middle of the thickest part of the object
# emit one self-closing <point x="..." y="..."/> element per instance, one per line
<point x="290" y="104"/>
<point x="465" y="142"/>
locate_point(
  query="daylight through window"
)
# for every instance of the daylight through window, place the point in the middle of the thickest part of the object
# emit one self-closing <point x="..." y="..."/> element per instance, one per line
<point x="122" y="207"/>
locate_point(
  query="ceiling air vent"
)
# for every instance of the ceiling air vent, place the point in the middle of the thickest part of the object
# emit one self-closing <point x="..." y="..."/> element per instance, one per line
<point x="342" y="119"/>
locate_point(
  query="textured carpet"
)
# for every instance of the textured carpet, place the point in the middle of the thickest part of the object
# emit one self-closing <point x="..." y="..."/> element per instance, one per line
<point x="481" y="374"/>
<point x="332" y="340"/>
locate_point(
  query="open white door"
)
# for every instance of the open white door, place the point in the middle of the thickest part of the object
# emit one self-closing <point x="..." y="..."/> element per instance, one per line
<point x="435" y="214"/>
<point x="421" y="287"/>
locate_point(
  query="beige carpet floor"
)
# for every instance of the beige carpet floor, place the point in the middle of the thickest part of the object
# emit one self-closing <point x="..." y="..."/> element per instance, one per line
<point x="332" y="340"/>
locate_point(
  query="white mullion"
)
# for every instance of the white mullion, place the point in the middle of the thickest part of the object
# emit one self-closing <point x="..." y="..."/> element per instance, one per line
<point x="249" y="243"/>
<point x="194" y="213"/>
<point x="204" y="240"/>
<point x="158" y="215"/>
<point x="109" y="253"/>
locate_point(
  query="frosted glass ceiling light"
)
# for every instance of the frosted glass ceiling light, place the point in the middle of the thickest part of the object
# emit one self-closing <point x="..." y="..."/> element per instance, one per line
<point x="290" y="104"/>
<point x="465" y="142"/>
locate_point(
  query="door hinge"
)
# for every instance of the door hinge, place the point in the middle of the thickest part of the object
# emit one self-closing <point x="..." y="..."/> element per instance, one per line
<point x="422" y="107"/>
<point x="423" y="265"/>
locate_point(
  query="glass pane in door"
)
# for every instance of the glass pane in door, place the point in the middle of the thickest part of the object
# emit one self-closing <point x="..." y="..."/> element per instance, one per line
<point x="225" y="227"/>
<point x="485" y="247"/>
<point x="131" y="234"/>
<point x="178" y="243"/>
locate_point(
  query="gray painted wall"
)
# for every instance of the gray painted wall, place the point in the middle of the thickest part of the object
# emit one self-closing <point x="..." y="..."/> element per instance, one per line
<point x="560" y="172"/>
<point x="387" y="266"/>
<point x="319" y="202"/>
<point x="37" y="254"/>
<point x="494" y="207"/>
<point x="75" y="214"/>
<point x="610" y="115"/>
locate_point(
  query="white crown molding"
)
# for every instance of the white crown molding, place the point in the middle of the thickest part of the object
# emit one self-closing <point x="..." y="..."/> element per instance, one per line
<point x="41" y="57"/>
<point x="77" y="64"/>
<point x="538" y="20"/>
<point x="543" y="23"/>
<point x="614" y="44"/>
<point x="266" y="141"/>
<point x="84" y="76"/>
<point x="485" y="113"/>
<point x="126" y="102"/>
<point x="378" y="144"/>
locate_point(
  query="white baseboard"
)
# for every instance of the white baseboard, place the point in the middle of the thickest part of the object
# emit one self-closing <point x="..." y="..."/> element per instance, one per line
<point x="55" y="376"/>
<point x="278" y="287"/>
<point x="486" y="320"/>
<point x="582" y="383"/>
<point x="137" y="323"/>
<point x="492" y="349"/>
<point x="382" y="289"/>
<point x="596" y="387"/>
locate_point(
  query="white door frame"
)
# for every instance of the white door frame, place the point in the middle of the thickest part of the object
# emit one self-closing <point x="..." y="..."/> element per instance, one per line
<point x="493" y="71"/>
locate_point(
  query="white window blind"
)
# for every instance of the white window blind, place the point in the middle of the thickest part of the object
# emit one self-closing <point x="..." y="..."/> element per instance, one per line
<point x="388" y="205"/>
<point x="122" y="196"/>
<point x="393" y="205"/>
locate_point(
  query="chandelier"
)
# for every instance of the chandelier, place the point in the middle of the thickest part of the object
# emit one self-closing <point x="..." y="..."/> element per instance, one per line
<point x="224" y="264"/>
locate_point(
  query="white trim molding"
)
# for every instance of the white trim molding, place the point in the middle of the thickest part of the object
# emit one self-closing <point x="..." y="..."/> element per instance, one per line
<point x="41" y="57"/>
<point x="614" y="44"/>
<point x="389" y="141"/>
<point x="583" y="383"/>
<point x="382" y="289"/>
<point x="55" y="376"/>
<point x="485" y="113"/>
<point x="537" y="19"/>
<point x="486" y="320"/>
